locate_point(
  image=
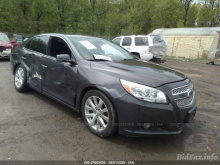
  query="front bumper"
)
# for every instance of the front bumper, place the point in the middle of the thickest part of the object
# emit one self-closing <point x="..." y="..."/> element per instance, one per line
<point x="4" y="55"/>
<point x="217" y="61"/>
<point x="164" y="119"/>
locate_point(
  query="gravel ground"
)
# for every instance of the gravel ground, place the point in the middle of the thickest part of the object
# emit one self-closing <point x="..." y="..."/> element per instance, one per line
<point x="34" y="127"/>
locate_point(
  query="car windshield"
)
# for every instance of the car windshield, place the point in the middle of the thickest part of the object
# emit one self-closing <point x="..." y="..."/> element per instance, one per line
<point x="18" y="38"/>
<point x="4" y="38"/>
<point x="100" y="49"/>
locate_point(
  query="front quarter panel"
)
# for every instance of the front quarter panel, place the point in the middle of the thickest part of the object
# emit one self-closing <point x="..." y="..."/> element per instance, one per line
<point x="14" y="59"/>
<point x="90" y="78"/>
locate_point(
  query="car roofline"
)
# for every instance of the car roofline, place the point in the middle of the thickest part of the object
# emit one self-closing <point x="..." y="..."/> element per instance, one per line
<point x="67" y="35"/>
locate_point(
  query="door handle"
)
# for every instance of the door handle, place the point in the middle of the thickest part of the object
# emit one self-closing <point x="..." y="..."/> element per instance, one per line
<point x="44" y="66"/>
<point x="24" y="57"/>
<point x="128" y="48"/>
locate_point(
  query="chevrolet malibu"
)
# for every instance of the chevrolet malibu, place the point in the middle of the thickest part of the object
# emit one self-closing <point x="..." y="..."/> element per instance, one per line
<point x="112" y="89"/>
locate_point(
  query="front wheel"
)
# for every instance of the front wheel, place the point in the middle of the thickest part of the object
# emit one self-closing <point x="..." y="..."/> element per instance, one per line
<point x="99" y="113"/>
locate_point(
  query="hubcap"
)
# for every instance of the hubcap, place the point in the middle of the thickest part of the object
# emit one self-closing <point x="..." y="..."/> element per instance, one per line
<point x="96" y="113"/>
<point x="19" y="77"/>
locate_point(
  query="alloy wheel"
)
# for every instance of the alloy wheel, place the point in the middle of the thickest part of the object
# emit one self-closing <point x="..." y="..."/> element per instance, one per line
<point x="19" y="77"/>
<point x="96" y="113"/>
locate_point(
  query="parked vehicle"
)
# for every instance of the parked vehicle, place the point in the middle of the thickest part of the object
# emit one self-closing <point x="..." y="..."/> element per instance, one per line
<point x="214" y="57"/>
<point x="146" y="47"/>
<point x="17" y="40"/>
<point x="111" y="88"/>
<point x="5" y="46"/>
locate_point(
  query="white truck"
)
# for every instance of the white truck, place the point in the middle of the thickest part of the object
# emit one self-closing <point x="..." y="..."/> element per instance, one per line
<point x="147" y="47"/>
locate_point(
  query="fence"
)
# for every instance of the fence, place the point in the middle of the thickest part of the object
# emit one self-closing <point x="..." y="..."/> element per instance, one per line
<point x="190" y="47"/>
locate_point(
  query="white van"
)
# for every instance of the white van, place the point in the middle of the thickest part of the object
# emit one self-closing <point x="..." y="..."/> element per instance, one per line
<point x="147" y="47"/>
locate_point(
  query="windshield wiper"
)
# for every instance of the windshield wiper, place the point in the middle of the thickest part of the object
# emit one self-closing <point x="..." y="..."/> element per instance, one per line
<point x="98" y="60"/>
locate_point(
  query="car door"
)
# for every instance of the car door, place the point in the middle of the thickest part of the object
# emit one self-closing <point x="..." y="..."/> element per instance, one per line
<point x="31" y="59"/>
<point x="59" y="79"/>
<point x="127" y="43"/>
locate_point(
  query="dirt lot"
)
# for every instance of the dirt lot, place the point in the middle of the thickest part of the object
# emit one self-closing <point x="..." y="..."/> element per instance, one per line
<point x="34" y="127"/>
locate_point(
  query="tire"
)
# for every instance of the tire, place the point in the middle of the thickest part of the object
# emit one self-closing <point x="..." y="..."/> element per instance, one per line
<point x="92" y="115"/>
<point x="158" y="60"/>
<point x="20" y="79"/>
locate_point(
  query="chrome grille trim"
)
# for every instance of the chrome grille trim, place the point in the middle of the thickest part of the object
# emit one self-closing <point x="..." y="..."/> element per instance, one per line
<point x="182" y="89"/>
<point x="184" y="96"/>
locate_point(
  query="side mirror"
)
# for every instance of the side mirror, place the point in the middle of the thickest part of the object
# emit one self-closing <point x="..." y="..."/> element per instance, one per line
<point x="65" y="58"/>
<point x="13" y="41"/>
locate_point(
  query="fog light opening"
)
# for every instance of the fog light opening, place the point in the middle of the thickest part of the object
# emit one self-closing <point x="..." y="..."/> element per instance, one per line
<point x="146" y="125"/>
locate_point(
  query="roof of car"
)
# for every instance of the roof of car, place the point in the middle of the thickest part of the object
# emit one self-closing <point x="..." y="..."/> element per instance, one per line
<point x="144" y="35"/>
<point x="68" y="35"/>
<point x="135" y="35"/>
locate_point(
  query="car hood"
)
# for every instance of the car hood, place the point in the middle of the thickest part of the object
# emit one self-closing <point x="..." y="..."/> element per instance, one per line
<point x="5" y="44"/>
<point x="139" y="71"/>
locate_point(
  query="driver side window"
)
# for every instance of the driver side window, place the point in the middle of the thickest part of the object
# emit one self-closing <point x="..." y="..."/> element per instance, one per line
<point x="58" y="46"/>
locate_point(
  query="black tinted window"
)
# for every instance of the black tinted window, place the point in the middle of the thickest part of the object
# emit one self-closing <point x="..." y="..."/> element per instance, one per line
<point x="117" y="41"/>
<point x="39" y="44"/>
<point x="141" y="41"/>
<point x="28" y="45"/>
<point x="126" y="41"/>
<point x="58" y="46"/>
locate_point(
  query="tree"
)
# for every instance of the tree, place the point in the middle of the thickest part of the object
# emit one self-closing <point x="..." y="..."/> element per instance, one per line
<point x="187" y="4"/>
<point x="164" y="16"/>
<point x="192" y="16"/>
<point x="105" y="17"/>
<point x="209" y="14"/>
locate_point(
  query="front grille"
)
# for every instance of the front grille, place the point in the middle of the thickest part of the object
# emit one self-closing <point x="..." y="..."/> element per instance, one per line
<point x="2" y="48"/>
<point x="184" y="96"/>
<point x="183" y="102"/>
<point x="182" y="89"/>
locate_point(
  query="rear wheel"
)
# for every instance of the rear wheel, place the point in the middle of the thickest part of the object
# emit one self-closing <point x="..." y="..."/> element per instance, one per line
<point x="99" y="113"/>
<point x="20" y="79"/>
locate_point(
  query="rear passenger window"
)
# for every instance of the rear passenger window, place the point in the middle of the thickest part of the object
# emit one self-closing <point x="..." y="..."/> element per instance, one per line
<point x="39" y="44"/>
<point x="126" y="41"/>
<point x="117" y="41"/>
<point x="141" y="41"/>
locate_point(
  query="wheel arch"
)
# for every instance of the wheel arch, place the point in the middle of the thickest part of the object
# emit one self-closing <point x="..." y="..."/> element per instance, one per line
<point x="87" y="89"/>
<point x="136" y="54"/>
<point x="15" y="67"/>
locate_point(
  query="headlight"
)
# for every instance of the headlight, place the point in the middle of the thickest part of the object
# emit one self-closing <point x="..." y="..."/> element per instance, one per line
<point x="144" y="92"/>
<point x="8" y="50"/>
